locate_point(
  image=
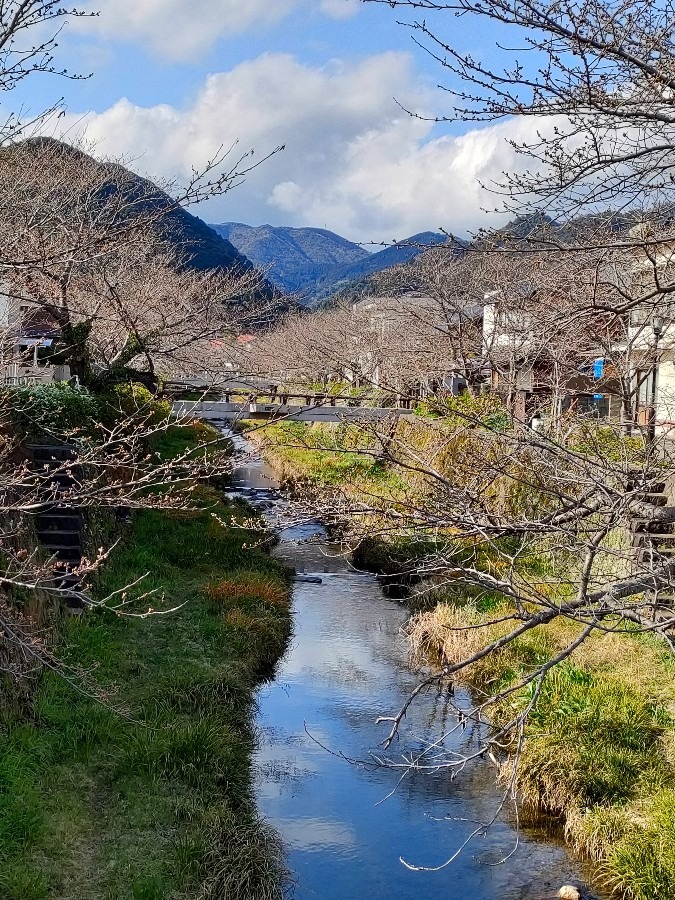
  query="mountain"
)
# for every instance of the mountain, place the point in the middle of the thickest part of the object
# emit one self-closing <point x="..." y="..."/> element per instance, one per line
<point x="294" y="258"/>
<point x="199" y="245"/>
<point x="314" y="262"/>
<point x="401" y="252"/>
<point x="204" y="248"/>
<point x="538" y="226"/>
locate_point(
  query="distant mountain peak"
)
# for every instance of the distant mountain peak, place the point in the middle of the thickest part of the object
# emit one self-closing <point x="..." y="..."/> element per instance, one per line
<point x="317" y="262"/>
<point x="294" y="258"/>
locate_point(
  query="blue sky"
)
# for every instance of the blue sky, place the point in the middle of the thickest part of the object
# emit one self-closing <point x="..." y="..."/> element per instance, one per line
<point x="174" y="79"/>
<point x="147" y="76"/>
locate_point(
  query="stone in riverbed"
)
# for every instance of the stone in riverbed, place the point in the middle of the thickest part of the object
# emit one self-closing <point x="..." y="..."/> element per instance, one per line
<point x="569" y="892"/>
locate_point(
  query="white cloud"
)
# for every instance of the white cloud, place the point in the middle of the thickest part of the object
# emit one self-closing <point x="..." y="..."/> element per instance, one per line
<point x="353" y="161"/>
<point x="185" y="29"/>
<point x="339" y="9"/>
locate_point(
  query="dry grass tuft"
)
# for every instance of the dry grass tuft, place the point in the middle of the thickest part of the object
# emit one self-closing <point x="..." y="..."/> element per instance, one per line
<point x="247" y="585"/>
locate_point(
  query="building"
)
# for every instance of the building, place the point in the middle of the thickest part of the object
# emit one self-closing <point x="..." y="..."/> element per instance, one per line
<point x="416" y="345"/>
<point x="26" y="332"/>
<point x="542" y="376"/>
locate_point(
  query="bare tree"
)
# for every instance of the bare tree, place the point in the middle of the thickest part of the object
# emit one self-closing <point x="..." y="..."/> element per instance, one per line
<point x="541" y="505"/>
<point x="597" y="76"/>
<point x="85" y="243"/>
<point x="89" y="246"/>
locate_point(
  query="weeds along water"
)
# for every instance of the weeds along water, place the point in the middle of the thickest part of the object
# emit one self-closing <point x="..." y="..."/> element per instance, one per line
<point x="158" y="805"/>
<point x="600" y="743"/>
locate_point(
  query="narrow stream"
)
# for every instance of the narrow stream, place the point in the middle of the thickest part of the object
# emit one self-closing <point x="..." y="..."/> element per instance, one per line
<point x="346" y="824"/>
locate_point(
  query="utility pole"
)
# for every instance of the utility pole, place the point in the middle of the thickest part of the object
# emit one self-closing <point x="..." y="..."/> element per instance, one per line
<point x="657" y="328"/>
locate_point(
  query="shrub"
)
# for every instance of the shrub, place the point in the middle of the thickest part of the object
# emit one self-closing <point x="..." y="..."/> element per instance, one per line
<point x="57" y="409"/>
<point x="607" y="443"/>
<point x="467" y="409"/>
<point x="133" y="400"/>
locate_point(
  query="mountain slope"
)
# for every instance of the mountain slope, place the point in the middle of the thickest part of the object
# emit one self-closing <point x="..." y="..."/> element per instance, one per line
<point x="294" y="258"/>
<point x="199" y="245"/>
<point x="316" y="262"/>
<point x="399" y="253"/>
<point x="204" y="247"/>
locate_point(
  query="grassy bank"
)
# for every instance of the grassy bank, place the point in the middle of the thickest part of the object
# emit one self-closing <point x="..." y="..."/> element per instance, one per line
<point x="600" y="747"/>
<point x="320" y="460"/>
<point x="320" y="455"/>
<point x="157" y="805"/>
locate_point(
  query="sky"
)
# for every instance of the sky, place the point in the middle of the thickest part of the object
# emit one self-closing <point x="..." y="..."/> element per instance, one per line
<point x="174" y="80"/>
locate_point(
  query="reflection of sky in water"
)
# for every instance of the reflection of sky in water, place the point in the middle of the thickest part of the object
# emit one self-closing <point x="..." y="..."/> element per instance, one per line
<point x="347" y="665"/>
<point x="317" y="835"/>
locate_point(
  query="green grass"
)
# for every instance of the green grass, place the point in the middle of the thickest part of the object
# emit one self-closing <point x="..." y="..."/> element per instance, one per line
<point x="592" y="740"/>
<point x="600" y="743"/>
<point x="93" y="805"/>
<point x="180" y="439"/>
<point x="325" y="455"/>
<point x="641" y="861"/>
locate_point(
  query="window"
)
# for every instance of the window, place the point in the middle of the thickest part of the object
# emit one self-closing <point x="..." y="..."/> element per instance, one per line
<point x="597" y="406"/>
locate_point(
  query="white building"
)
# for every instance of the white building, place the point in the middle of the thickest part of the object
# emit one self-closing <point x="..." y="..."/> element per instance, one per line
<point x="20" y="343"/>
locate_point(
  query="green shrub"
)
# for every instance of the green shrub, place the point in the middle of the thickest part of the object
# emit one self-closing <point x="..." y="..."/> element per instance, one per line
<point x="486" y="410"/>
<point x="607" y="443"/>
<point x="133" y="400"/>
<point x="53" y="409"/>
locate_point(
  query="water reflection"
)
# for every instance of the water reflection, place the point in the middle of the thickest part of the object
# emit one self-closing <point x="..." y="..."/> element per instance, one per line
<point x="346" y="824"/>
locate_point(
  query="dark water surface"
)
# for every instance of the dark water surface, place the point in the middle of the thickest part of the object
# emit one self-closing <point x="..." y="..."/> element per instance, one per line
<point x="346" y="824"/>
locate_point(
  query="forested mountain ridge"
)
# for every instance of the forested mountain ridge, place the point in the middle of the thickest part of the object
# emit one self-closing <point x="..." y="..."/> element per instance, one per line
<point x="196" y="243"/>
<point x="313" y="261"/>
<point x="294" y="258"/>
<point x="204" y="247"/>
<point x="395" y="255"/>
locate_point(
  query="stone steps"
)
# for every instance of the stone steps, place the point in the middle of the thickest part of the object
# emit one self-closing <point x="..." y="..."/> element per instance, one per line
<point x="64" y="553"/>
<point x="653" y="541"/>
<point x="56" y="538"/>
<point x="51" y="451"/>
<point x="58" y="525"/>
<point x="52" y="521"/>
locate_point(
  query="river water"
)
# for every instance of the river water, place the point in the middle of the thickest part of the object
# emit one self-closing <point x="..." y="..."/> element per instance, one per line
<point x="346" y="822"/>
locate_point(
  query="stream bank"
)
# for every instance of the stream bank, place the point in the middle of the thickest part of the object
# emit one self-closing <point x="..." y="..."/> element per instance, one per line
<point x="346" y="820"/>
<point x="155" y="804"/>
<point x="599" y="755"/>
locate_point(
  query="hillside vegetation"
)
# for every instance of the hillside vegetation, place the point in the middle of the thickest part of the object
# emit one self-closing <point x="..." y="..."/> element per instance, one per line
<point x="317" y="263"/>
<point x="201" y="247"/>
<point x="294" y="258"/>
